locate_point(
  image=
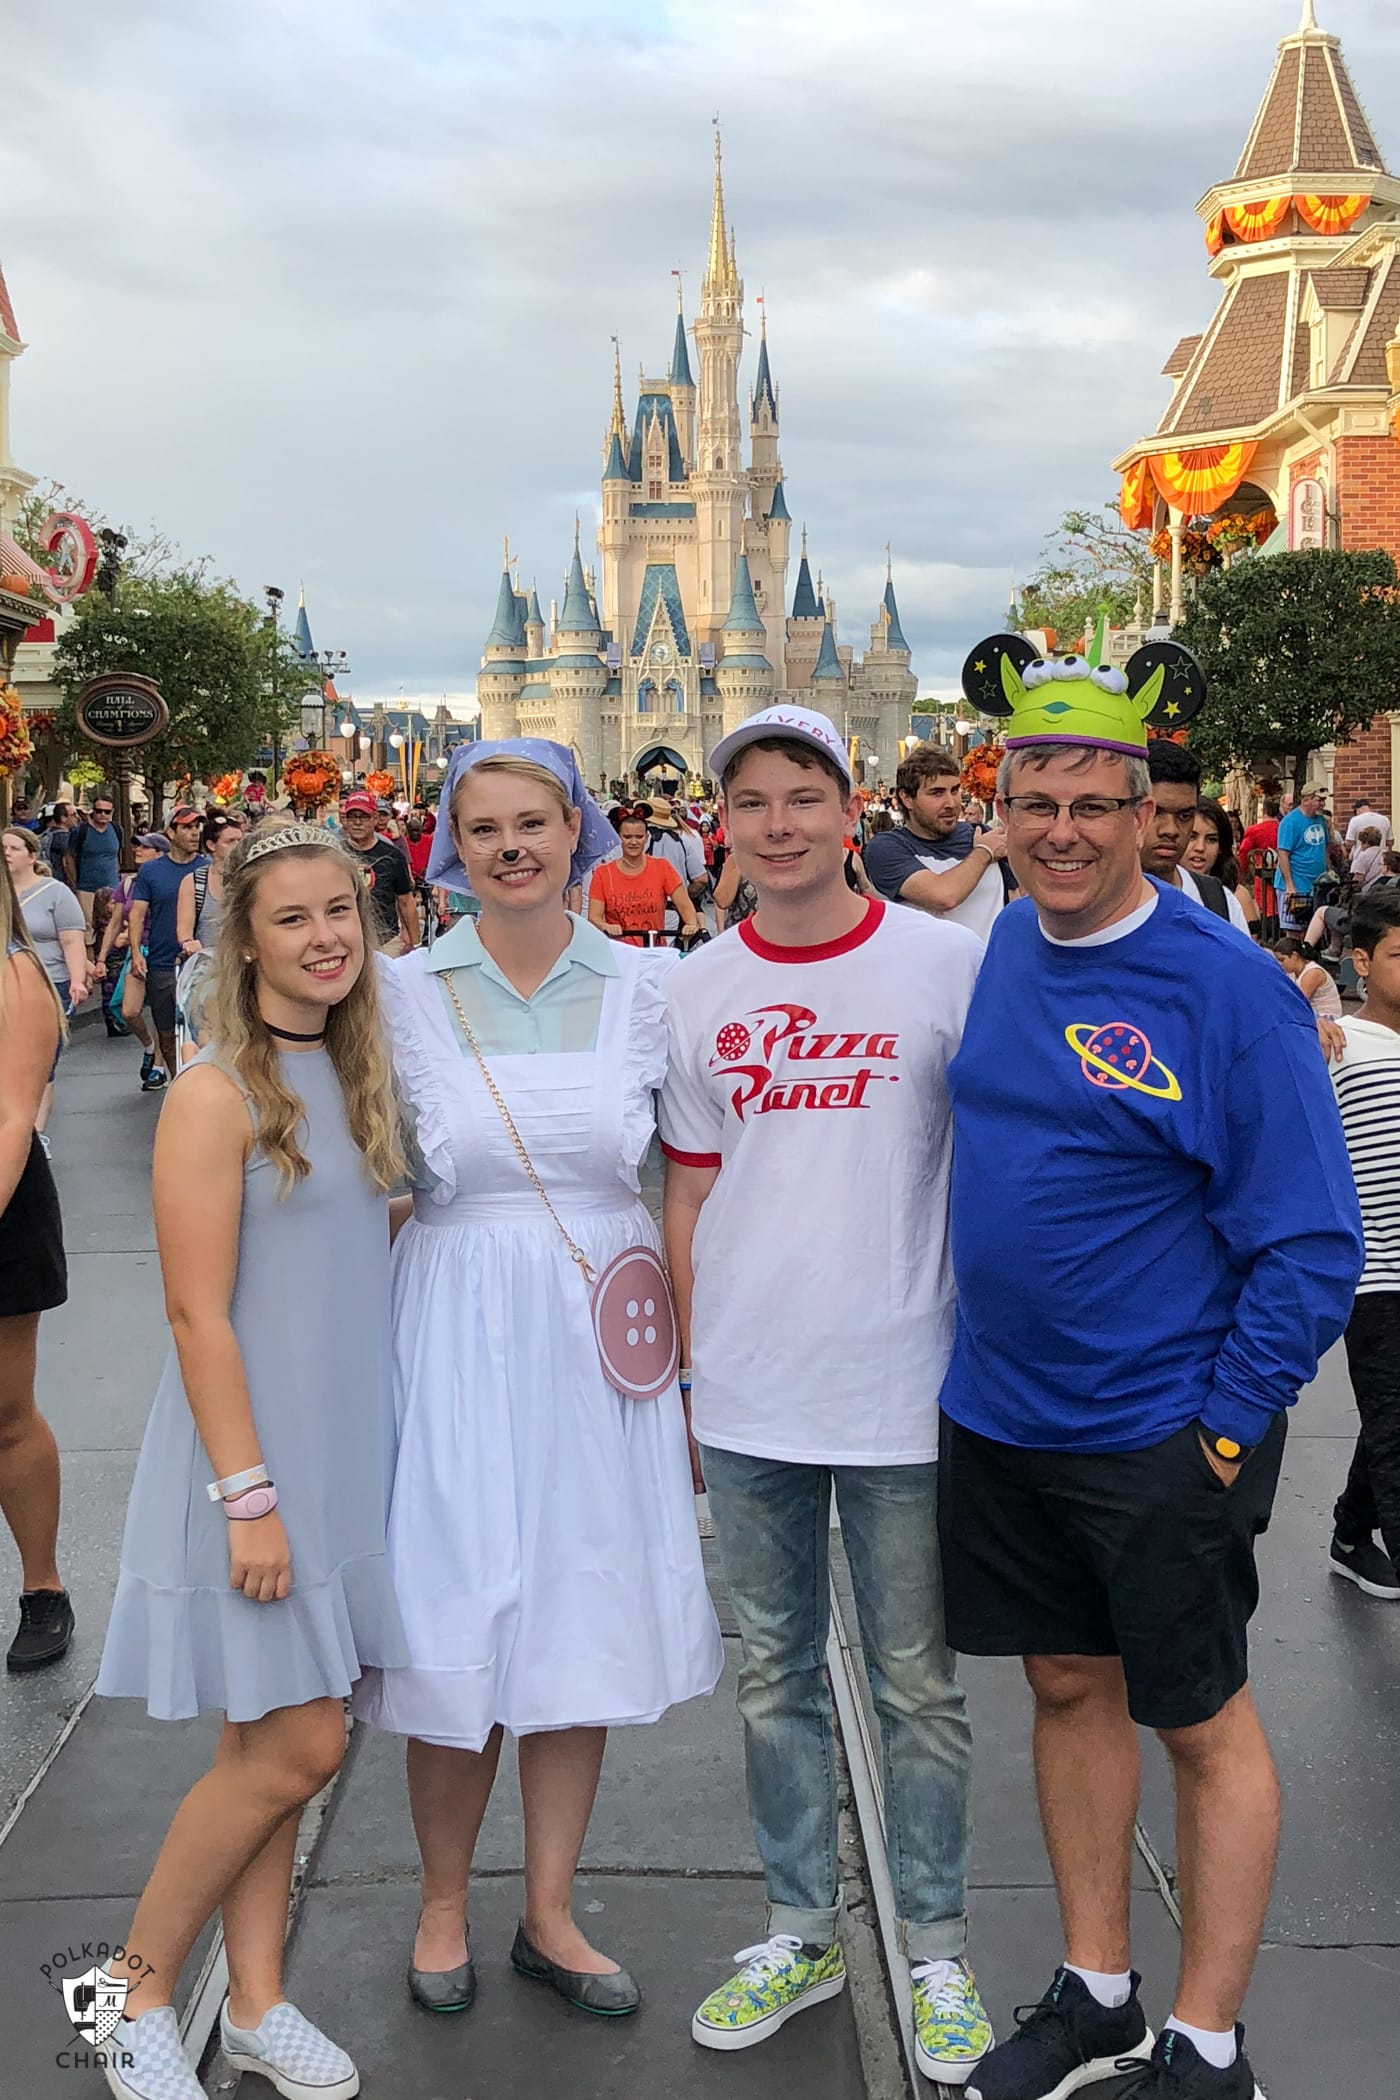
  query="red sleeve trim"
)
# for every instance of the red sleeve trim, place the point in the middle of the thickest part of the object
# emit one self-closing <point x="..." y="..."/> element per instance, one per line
<point x="692" y="1159"/>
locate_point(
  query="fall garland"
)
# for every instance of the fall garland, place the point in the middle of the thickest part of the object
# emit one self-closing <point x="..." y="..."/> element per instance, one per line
<point x="312" y="779"/>
<point x="16" y="747"/>
<point x="979" y="770"/>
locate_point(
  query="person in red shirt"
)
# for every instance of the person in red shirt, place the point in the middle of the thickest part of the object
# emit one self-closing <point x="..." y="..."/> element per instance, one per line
<point x="1258" y="840"/>
<point x="629" y="897"/>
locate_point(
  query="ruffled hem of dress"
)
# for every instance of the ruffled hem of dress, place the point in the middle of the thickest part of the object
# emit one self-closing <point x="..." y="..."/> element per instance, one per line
<point x="644" y="1067"/>
<point x="373" y="1703"/>
<point x="413" y="1068"/>
<point x="192" y="1651"/>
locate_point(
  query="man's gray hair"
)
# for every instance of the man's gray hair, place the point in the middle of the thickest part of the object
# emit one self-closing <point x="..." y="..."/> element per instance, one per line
<point x="1038" y="755"/>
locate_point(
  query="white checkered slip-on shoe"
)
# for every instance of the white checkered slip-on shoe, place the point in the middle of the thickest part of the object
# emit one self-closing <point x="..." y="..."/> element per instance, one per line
<point x="158" y="2067"/>
<point x="291" y="2054"/>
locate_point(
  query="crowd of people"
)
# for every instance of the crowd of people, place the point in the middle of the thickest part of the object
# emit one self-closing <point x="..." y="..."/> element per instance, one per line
<point x="439" y="1394"/>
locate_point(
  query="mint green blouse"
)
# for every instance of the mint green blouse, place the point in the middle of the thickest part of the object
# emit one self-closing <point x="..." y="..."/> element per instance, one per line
<point x="560" y="1015"/>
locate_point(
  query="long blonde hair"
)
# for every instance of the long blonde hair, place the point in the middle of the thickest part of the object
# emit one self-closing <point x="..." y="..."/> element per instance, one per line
<point x="15" y="934"/>
<point x="354" y="1028"/>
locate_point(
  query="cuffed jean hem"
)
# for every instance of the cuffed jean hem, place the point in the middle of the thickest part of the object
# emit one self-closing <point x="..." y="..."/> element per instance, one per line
<point x="943" y="1941"/>
<point x="815" y="1928"/>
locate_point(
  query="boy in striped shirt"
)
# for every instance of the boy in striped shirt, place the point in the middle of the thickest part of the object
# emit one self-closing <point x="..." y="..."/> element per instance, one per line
<point x="1367" y="1080"/>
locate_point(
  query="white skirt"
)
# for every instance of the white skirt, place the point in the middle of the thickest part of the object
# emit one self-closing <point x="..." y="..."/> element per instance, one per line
<point x="542" y="1533"/>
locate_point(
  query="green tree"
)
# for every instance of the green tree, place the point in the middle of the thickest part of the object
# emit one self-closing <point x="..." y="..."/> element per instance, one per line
<point x="229" y="682"/>
<point x="1093" y="562"/>
<point x="146" y="554"/>
<point x="1299" y="650"/>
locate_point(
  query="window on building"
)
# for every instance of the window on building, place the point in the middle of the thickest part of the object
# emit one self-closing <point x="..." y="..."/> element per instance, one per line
<point x="653" y="491"/>
<point x="646" y="697"/>
<point x="675" y="696"/>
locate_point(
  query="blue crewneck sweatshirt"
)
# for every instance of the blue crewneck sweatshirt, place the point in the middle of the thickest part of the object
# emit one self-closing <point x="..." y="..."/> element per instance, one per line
<point x="1153" y="1214"/>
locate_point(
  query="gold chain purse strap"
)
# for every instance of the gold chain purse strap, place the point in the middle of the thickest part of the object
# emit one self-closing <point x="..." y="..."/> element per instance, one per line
<point x="575" y="1251"/>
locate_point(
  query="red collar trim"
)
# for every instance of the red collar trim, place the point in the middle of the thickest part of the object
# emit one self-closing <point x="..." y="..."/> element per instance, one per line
<point x="824" y="951"/>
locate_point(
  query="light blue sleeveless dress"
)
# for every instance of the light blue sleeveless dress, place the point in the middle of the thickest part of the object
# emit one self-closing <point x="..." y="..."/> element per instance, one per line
<point x="311" y="1313"/>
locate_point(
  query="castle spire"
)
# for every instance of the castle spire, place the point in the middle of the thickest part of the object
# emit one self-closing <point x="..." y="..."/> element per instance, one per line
<point x="763" y="384"/>
<point x="680" y="354"/>
<point x="577" y="616"/>
<point x="720" y="272"/>
<point x="828" y="664"/>
<point x="618" y="426"/>
<point x="743" y="610"/>
<point x="804" y="598"/>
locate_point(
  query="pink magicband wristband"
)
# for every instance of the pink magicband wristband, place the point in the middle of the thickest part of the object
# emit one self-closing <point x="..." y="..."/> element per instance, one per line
<point x="253" y="1502"/>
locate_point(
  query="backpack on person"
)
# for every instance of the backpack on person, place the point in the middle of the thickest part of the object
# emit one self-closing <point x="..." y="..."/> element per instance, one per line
<point x="1213" y="894"/>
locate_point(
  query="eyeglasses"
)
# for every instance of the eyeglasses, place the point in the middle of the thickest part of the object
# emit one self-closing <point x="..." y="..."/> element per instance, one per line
<point x="99" y="811"/>
<point x="1038" y="812"/>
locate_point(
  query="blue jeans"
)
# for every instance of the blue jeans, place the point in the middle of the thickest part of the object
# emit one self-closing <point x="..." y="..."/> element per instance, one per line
<point x="772" y="1522"/>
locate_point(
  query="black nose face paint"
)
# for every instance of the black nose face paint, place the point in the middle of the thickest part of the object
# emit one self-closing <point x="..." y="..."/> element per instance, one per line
<point x="510" y="854"/>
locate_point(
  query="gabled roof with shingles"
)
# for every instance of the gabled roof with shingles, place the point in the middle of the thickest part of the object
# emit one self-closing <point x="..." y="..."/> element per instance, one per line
<point x="1362" y="362"/>
<point x="1181" y="357"/>
<point x="1310" y="121"/>
<point x="1235" y="380"/>
<point x="1344" y="288"/>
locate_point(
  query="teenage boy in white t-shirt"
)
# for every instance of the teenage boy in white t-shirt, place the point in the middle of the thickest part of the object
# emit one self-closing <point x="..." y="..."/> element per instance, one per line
<point x="808" y="1046"/>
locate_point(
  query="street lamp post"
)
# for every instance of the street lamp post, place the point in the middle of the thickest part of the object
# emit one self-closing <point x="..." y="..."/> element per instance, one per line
<point x="332" y="664"/>
<point x="274" y="596"/>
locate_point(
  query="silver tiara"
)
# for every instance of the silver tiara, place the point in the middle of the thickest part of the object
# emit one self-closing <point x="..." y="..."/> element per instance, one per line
<point x="290" y="835"/>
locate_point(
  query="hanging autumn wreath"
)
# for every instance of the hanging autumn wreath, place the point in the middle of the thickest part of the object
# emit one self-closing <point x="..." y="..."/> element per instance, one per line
<point x="979" y="770"/>
<point x="312" y="779"/>
<point x="16" y="746"/>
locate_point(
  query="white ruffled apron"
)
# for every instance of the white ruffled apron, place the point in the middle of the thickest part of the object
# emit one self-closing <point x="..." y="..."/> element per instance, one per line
<point x="542" y="1533"/>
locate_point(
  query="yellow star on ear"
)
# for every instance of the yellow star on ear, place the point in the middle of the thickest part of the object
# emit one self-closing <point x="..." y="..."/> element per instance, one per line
<point x="1172" y="708"/>
<point x="979" y="667"/>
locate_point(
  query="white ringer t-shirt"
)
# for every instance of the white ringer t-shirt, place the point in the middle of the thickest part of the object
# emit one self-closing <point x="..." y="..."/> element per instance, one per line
<point x="815" y="1080"/>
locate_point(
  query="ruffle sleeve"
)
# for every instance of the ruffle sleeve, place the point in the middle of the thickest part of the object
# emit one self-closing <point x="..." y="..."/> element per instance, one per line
<point x="403" y="985"/>
<point x="644" y="1067"/>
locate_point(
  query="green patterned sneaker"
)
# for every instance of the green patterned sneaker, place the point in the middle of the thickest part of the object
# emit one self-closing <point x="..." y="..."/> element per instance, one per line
<point x="952" y="2033"/>
<point x="774" y="1981"/>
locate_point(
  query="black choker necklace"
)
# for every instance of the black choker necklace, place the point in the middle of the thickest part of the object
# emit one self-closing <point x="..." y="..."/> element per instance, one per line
<point x="285" y="1035"/>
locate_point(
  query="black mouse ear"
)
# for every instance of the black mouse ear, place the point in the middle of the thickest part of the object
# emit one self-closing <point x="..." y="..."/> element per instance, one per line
<point x="1165" y="684"/>
<point x="991" y="677"/>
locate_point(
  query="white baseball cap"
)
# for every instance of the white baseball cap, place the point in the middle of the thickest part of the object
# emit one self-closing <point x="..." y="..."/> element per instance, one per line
<point x="803" y="724"/>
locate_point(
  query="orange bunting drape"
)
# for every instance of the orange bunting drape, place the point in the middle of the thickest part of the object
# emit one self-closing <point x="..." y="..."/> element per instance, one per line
<point x="1257" y="222"/>
<point x="1330" y="214"/>
<point x="1138" y="497"/>
<point x="1261" y="221"/>
<point x="1202" y="479"/>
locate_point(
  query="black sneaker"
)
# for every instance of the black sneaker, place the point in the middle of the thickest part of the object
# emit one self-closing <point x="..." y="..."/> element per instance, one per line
<point x="45" y="1629"/>
<point x="153" y="1081"/>
<point x="1178" y="2071"/>
<point x="1366" y="1564"/>
<point x="1066" y="2041"/>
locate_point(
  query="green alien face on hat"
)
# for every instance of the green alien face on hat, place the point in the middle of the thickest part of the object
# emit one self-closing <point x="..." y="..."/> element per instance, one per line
<point x="1079" y="701"/>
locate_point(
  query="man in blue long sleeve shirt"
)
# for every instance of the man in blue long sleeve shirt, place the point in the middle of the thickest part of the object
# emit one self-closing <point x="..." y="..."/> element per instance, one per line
<point x="1154" y="1235"/>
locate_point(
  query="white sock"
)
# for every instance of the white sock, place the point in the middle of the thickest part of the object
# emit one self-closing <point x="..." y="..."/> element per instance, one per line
<point x="1217" y="2049"/>
<point x="1109" y="1991"/>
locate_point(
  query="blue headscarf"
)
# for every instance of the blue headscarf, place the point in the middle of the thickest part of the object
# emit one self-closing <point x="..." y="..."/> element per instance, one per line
<point x="596" y="840"/>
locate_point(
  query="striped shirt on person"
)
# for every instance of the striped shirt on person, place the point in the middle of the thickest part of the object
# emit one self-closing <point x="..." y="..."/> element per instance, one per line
<point x="1367" y="1082"/>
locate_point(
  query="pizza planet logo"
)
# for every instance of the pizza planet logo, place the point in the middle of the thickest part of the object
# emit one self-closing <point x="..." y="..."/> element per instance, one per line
<point x="758" y="1054"/>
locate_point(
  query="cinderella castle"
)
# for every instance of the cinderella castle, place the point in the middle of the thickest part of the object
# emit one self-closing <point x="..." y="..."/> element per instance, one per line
<point x="683" y="628"/>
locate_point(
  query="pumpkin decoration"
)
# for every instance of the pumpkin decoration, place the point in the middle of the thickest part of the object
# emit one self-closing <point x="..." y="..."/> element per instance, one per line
<point x="16" y="748"/>
<point x="979" y="770"/>
<point x="311" y="779"/>
<point x="15" y="582"/>
<point x="380" y="782"/>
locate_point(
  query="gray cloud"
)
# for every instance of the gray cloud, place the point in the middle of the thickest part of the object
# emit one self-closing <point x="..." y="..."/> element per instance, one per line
<point x="327" y="290"/>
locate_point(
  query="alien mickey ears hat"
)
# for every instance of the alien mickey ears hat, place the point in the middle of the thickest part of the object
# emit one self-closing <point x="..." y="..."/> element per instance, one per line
<point x="1077" y="700"/>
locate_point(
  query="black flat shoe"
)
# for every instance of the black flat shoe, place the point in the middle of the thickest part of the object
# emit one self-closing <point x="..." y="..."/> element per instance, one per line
<point x="610" y="1995"/>
<point x="45" y="1630"/>
<point x="443" y="1990"/>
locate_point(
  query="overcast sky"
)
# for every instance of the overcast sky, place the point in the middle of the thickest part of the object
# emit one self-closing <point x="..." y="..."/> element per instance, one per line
<point x="325" y="288"/>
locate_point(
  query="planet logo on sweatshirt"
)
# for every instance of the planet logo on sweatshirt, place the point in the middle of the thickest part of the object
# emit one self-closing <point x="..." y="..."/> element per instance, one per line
<point x="1118" y="1057"/>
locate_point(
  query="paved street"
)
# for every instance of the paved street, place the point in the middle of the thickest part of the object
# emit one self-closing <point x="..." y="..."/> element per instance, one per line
<point x="670" y="1860"/>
